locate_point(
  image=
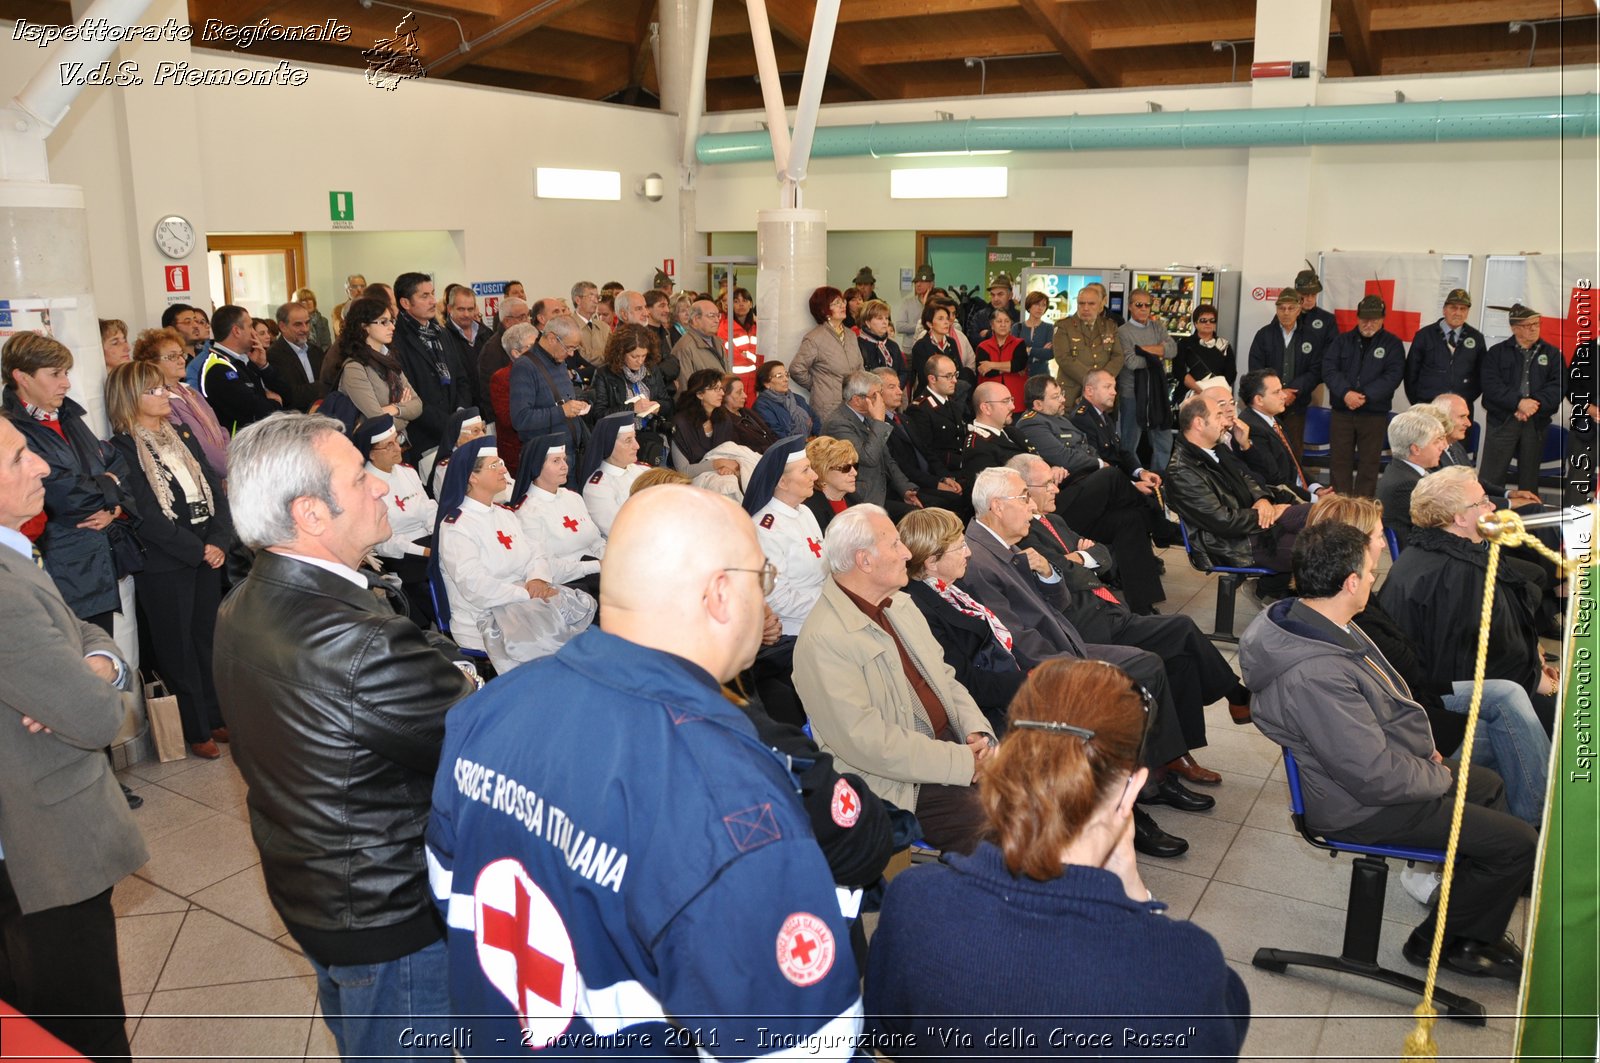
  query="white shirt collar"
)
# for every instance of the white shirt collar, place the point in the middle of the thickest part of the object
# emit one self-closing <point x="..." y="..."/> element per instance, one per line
<point x="986" y="430"/>
<point x="1005" y="545"/>
<point x="341" y="570"/>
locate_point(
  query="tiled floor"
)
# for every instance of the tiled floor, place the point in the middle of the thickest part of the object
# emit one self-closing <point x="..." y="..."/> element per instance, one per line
<point x="208" y="971"/>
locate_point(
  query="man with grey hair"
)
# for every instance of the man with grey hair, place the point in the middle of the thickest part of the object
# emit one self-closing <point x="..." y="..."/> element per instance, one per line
<point x="860" y="419"/>
<point x="336" y="707"/>
<point x="631" y="309"/>
<point x="296" y="360"/>
<point x="1022" y="588"/>
<point x="593" y="332"/>
<point x="543" y="398"/>
<point x="1416" y="440"/>
<point x="699" y="348"/>
<point x="880" y="696"/>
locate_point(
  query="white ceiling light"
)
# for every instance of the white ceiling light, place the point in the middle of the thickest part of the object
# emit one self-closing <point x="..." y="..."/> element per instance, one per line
<point x="553" y="183"/>
<point x="968" y="182"/>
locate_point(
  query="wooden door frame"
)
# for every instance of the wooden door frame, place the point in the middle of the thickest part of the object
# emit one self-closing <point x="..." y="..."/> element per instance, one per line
<point x="292" y="245"/>
<point x="992" y="236"/>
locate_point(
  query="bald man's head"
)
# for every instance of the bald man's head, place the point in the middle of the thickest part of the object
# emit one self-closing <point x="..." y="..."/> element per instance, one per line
<point x="682" y="573"/>
<point x="991" y="403"/>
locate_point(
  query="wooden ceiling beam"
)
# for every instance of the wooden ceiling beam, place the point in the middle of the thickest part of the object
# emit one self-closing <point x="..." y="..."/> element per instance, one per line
<point x="543" y="12"/>
<point x="594" y="24"/>
<point x="1425" y="15"/>
<point x="567" y="63"/>
<point x="899" y="10"/>
<point x="737" y="64"/>
<point x="793" y="22"/>
<point x="1355" y="26"/>
<point x="945" y="46"/>
<point x="1198" y="31"/>
<point x="1067" y="34"/>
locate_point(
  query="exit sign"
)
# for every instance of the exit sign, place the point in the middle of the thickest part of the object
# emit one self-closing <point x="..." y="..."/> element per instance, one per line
<point x="342" y="209"/>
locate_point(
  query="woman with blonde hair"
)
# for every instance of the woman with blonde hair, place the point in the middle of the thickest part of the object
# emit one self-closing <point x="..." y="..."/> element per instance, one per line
<point x="164" y="349"/>
<point x="834" y="461"/>
<point x="1057" y="879"/>
<point x="186" y="531"/>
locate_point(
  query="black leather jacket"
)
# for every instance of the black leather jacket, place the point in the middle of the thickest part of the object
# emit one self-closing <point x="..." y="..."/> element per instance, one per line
<point x="336" y="707"/>
<point x="1215" y="502"/>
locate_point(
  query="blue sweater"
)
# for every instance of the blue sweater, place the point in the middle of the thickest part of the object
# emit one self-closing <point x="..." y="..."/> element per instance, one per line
<point x="1066" y="967"/>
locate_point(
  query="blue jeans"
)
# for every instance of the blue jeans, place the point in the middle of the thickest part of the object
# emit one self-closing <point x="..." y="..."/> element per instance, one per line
<point x="1510" y="740"/>
<point x="399" y="1009"/>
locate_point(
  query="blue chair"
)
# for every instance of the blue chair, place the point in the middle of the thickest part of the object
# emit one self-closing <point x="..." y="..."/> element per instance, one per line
<point x="1318" y="438"/>
<point x="1229" y="579"/>
<point x="1369" y="876"/>
<point x="1394" y="543"/>
<point x="478" y="657"/>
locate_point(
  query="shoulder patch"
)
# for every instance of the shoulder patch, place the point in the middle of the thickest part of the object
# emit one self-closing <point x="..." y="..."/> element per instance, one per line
<point x="1030" y="414"/>
<point x="752" y="827"/>
<point x="452" y="516"/>
<point x="597" y="477"/>
<point x="766" y="522"/>
<point x="502" y="505"/>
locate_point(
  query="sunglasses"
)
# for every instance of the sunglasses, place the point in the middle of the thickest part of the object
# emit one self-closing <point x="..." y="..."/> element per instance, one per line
<point x="851" y="467"/>
<point x="1206" y="320"/>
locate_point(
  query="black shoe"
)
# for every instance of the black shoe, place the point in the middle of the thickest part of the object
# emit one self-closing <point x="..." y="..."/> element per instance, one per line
<point x="134" y="800"/>
<point x="1169" y="791"/>
<point x="1151" y="840"/>
<point x="1476" y="959"/>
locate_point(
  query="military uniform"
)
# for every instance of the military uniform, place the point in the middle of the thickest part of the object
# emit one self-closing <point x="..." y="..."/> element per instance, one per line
<point x="1100" y="431"/>
<point x="938" y="429"/>
<point x="661" y="891"/>
<point x="1058" y="441"/>
<point x="792" y="540"/>
<point x="1081" y="349"/>
<point x="607" y="488"/>
<point x="485" y="558"/>
<point x="561" y="522"/>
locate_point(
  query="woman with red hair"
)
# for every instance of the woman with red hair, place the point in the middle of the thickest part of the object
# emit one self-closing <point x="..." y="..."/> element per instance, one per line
<point x="828" y="354"/>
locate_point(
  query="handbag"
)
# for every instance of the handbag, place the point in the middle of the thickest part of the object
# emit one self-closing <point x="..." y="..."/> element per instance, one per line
<point x="519" y="632"/>
<point x="166" y="726"/>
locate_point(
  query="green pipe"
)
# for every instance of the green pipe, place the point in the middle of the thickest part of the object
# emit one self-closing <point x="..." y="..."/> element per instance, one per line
<point x="1528" y="118"/>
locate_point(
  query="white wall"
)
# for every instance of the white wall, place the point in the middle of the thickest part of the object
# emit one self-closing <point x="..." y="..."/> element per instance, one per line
<point x="383" y="256"/>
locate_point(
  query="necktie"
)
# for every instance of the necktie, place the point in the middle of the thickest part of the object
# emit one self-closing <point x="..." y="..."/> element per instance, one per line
<point x="1298" y="471"/>
<point x="1099" y="591"/>
<point x="1455" y="337"/>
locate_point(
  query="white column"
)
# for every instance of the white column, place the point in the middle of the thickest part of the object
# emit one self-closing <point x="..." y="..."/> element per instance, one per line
<point x="1278" y="184"/>
<point x="676" y="71"/>
<point x="791" y="263"/>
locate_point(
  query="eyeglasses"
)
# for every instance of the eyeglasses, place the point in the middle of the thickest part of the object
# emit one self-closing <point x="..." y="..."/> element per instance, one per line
<point x="850" y="467"/>
<point x="1012" y="498"/>
<point x="944" y="376"/>
<point x="159" y="389"/>
<point x="490" y="466"/>
<point x="384" y="320"/>
<point x="1206" y="320"/>
<point x="1141" y="306"/>
<point x="768" y="573"/>
<point x="1042" y="487"/>
<point x="176" y="358"/>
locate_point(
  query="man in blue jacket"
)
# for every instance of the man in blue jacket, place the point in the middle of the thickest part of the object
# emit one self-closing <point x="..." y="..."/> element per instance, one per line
<point x="1522" y="389"/>
<point x="1444" y="356"/>
<point x="1363" y="367"/>
<point x="624" y="867"/>
<point x="1286" y="347"/>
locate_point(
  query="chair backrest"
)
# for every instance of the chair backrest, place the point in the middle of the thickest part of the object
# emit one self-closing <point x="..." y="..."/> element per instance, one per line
<point x="1394" y="543"/>
<point x="1297" y="806"/>
<point x="1183" y="530"/>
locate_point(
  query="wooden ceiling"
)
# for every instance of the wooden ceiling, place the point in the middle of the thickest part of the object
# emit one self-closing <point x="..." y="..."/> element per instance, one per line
<point x="911" y="49"/>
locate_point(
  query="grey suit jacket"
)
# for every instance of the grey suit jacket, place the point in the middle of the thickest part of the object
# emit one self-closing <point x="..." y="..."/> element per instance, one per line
<point x="1395" y="486"/>
<point x="878" y="478"/>
<point x="64" y="825"/>
<point x="995" y="579"/>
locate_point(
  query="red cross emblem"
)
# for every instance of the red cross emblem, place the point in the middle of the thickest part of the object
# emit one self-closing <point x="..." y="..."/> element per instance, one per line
<point x="805" y="949"/>
<point x="1577" y="328"/>
<point x="524" y="950"/>
<point x="846" y="805"/>
<point x="569" y="524"/>
<point x="400" y="502"/>
<point x="1403" y="323"/>
<point x="505" y="540"/>
<point x="816" y="547"/>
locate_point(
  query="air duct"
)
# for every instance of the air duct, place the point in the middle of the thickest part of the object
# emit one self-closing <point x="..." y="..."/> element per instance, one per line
<point x="1529" y="118"/>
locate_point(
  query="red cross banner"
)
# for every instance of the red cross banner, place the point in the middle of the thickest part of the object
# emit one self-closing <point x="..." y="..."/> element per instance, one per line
<point x="1412" y="286"/>
<point x="1562" y="288"/>
<point x="524" y="949"/>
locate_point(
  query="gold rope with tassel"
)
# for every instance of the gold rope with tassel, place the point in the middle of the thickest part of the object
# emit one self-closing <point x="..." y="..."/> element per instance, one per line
<point x="1504" y="528"/>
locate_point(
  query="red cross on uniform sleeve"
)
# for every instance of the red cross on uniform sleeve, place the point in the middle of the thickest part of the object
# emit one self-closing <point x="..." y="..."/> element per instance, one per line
<point x="569" y="524"/>
<point x="816" y="547"/>
<point x="505" y="540"/>
<point x="400" y="502"/>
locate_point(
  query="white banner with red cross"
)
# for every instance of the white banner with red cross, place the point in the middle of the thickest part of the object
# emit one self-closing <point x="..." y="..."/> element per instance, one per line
<point x="1562" y="288"/>
<point x="1412" y="286"/>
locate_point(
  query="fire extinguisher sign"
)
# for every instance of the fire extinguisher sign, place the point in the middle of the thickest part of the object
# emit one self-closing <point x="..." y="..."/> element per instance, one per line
<point x="177" y="278"/>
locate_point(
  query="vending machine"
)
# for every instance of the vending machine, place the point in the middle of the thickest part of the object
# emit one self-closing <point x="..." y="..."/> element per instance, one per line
<point x="1063" y="283"/>
<point x="1178" y="291"/>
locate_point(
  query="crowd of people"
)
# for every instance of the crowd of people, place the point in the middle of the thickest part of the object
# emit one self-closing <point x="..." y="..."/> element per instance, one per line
<point x="919" y="602"/>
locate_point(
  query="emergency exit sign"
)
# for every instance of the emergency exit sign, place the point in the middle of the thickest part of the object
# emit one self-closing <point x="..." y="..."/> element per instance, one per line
<point x="342" y="209"/>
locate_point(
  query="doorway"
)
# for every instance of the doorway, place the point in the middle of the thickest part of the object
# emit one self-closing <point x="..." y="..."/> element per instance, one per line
<point x="258" y="272"/>
<point x="957" y="258"/>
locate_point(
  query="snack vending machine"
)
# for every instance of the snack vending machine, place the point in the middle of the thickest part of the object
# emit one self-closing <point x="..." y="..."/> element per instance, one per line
<point x="1063" y="283"/>
<point x="1178" y="291"/>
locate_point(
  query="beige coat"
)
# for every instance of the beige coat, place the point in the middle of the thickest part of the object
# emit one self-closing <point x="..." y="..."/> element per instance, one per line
<point x="821" y="365"/>
<point x="863" y="709"/>
<point x="368" y="389"/>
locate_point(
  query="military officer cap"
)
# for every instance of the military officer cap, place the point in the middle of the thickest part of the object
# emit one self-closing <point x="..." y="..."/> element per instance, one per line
<point x="924" y="273"/>
<point x="1288" y="297"/>
<point x="1370" y="306"/>
<point x="1306" y="282"/>
<point x="864" y="276"/>
<point x="1001" y="280"/>
<point x="1459" y="297"/>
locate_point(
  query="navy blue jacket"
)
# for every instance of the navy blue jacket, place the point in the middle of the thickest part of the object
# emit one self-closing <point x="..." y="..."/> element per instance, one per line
<point x="1372" y="367"/>
<point x="1501" y="377"/>
<point x="1433" y="369"/>
<point x="614" y="850"/>
<point x="1267" y="352"/>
